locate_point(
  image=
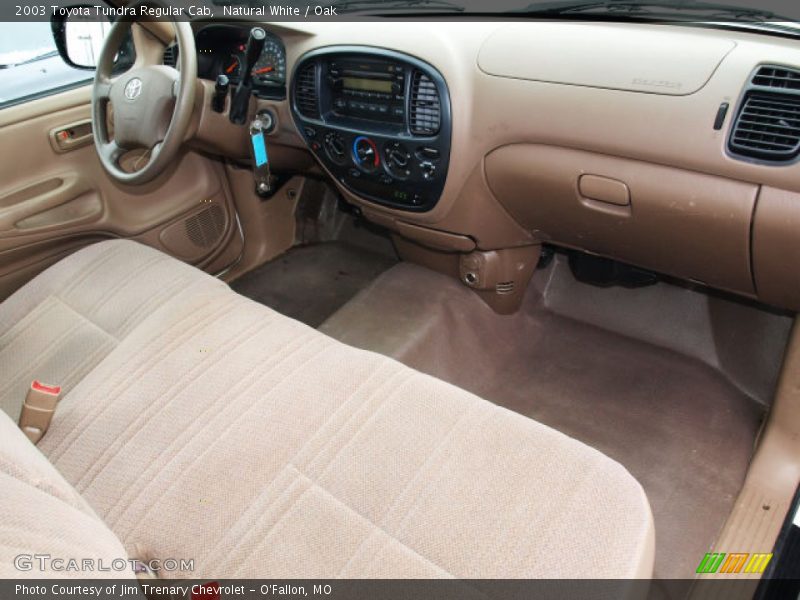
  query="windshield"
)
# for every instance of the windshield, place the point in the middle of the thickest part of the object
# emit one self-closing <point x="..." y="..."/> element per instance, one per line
<point x="769" y="16"/>
<point x="26" y="41"/>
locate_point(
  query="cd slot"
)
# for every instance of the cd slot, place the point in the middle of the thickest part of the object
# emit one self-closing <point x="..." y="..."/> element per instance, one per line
<point x="366" y="74"/>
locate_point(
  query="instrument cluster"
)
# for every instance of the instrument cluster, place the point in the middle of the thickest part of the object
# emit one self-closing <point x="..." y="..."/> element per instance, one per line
<point x="221" y="51"/>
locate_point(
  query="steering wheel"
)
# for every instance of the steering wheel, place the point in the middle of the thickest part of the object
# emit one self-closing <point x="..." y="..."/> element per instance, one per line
<point x="152" y="103"/>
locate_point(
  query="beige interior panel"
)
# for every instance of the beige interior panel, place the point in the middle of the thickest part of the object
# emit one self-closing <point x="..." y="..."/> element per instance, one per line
<point x="772" y="479"/>
<point x="438" y="240"/>
<point x="48" y="204"/>
<point x="268" y="225"/>
<point x="678" y="222"/>
<point x="213" y="131"/>
<point x="776" y="247"/>
<point x="656" y="62"/>
<point x="54" y="200"/>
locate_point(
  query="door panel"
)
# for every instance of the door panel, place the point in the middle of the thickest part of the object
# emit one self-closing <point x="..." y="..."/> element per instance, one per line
<point x="49" y="203"/>
<point x="55" y="196"/>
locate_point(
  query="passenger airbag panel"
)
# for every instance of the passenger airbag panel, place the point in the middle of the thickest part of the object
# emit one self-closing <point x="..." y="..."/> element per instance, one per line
<point x="665" y="61"/>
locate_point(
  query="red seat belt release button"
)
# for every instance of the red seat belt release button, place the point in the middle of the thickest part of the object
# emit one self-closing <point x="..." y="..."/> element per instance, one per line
<point x="52" y="390"/>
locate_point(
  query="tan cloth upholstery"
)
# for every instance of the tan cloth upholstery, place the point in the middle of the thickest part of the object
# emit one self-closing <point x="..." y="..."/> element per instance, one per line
<point x="41" y="514"/>
<point x="65" y="321"/>
<point x="221" y="431"/>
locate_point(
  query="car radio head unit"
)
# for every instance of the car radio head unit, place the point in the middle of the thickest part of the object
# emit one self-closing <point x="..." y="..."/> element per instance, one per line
<point x="367" y="89"/>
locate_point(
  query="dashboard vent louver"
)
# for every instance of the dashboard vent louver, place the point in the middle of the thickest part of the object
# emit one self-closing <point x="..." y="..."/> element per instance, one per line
<point x="777" y="77"/>
<point x="768" y="127"/>
<point x="171" y="56"/>
<point x="305" y="91"/>
<point x="425" y="107"/>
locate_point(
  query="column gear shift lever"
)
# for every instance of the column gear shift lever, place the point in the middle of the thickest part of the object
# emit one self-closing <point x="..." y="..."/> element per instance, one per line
<point x="241" y="95"/>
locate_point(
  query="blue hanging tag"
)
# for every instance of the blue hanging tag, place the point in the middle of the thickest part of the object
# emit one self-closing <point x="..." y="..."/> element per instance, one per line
<point x="259" y="149"/>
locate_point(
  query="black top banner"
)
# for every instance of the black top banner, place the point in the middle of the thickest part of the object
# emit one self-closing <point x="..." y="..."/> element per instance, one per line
<point x="747" y="12"/>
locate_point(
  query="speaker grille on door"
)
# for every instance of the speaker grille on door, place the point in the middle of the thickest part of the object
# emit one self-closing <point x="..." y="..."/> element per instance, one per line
<point x="206" y="227"/>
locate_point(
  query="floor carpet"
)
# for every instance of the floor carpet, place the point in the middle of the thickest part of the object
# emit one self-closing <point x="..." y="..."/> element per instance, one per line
<point x="674" y="422"/>
<point x="310" y="283"/>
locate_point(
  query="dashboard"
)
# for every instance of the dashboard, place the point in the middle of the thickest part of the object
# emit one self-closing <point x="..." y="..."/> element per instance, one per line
<point x="688" y="167"/>
<point x="221" y="50"/>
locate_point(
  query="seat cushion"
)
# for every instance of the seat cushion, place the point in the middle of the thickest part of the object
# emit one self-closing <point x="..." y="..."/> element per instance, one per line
<point x="219" y="430"/>
<point x="41" y="514"/>
<point x="66" y="320"/>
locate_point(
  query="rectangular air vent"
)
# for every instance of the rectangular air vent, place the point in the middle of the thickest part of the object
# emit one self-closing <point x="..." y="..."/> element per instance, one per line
<point x="305" y="91"/>
<point x="425" y="105"/>
<point x="171" y="55"/>
<point x="767" y="127"/>
<point x="777" y="77"/>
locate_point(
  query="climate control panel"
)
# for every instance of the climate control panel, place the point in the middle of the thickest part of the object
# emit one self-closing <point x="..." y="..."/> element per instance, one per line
<point x="379" y="122"/>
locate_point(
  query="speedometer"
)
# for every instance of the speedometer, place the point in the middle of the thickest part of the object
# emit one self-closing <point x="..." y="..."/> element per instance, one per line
<point x="271" y="66"/>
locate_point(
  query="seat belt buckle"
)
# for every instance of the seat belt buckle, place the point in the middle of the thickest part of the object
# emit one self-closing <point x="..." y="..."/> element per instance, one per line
<point x="38" y="409"/>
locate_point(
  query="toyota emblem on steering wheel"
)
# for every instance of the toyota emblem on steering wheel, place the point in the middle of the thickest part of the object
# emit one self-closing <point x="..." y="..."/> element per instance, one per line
<point x="133" y="89"/>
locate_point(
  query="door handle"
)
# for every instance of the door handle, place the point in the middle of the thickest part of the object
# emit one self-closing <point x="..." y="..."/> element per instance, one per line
<point x="69" y="137"/>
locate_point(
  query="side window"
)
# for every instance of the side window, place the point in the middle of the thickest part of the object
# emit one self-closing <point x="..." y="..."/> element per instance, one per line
<point x="30" y="65"/>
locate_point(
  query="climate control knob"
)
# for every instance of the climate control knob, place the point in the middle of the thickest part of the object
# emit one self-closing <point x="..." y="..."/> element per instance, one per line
<point x="335" y="147"/>
<point x="428" y="169"/>
<point x="365" y="153"/>
<point x="398" y="159"/>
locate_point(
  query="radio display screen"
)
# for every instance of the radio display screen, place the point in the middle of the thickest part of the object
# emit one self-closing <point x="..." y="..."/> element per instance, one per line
<point x="367" y="85"/>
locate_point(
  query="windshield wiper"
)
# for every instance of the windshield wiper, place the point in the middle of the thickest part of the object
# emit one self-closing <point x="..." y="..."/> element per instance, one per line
<point x="346" y="5"/>
<point x="680" y="9"/>
<point x="42" y="56"/>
